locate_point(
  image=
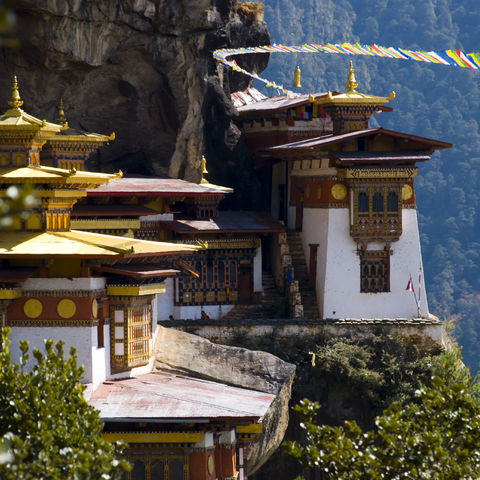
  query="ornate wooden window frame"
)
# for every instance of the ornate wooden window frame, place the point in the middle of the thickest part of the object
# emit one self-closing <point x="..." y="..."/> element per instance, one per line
<point x="374" y="271"/>
<point x="201" y="291"/>
<point x="149" y="459"/>
<point x="130" y="331"/>
<point x="377" y="222"/>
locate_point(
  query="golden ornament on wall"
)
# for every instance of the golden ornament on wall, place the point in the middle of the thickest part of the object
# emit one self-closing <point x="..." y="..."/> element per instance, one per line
<point x="307" y="191"/>
<point x="407" y="192"/>
<point x="319" y="192"/>
<point x="339" y="191"/>
<point x="95" y="308"/>
<point x="210" y="465"/>
<point x="33" y="308"/>
<point x="66" y="308"/>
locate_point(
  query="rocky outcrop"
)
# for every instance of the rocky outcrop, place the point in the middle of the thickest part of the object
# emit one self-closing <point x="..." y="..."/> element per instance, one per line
<point x="195" y="356"/>
<point x="141" y="68"/>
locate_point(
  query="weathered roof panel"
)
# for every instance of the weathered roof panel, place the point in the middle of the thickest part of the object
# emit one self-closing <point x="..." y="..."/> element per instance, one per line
<point x="154" y="186"/>
<point x="228" y="221"/>
<point x="166" y="396"/>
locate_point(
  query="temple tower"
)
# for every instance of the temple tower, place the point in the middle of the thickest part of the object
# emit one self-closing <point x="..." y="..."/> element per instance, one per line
<point x="350" y="195"/>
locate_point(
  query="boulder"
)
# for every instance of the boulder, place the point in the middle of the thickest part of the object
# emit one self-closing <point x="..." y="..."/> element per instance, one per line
<point x="195" y="356"/>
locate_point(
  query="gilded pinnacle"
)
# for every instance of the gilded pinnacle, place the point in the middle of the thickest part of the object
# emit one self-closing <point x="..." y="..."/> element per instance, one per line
<point x="203" y="168"/>
<point x="296" y="79"/>
<point x="351" y="84"/>
<point x="61" y="118"/>
<point x="15" y="101"/>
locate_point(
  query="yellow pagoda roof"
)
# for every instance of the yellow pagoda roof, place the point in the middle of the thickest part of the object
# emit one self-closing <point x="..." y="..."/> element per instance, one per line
<point x="15" y="117"/>
<point x="351" y="96"/>
<point x="75" y="135"/>
<point x="83" y="244"/>
<point x="69" y="134"/>
<point x="55" y="176"/>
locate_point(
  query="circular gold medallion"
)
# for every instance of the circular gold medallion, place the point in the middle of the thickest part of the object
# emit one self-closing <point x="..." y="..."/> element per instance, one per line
<point x="319" y="192"/>
<point x="94" y="308"/>
<point x="32" y="308"/>
<point x="210" y="465"/>
<point x="339" y="191"/>
<point x="407" y="192"/>
<point x="66" y="308"/>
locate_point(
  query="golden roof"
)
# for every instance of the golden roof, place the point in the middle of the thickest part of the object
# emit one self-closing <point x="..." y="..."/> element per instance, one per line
<point x="54" y="176"/>
<point x="15" y="117"/>
<point x="84" y="244"/>
<point x="73" y="134"/>
<point x="351" y="96"/>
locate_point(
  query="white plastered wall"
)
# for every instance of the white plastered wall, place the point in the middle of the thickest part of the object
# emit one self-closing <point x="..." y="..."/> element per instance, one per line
<point x="338" y="268"/>
<point x="95" y="360"/>
<point x="83" y="339"/>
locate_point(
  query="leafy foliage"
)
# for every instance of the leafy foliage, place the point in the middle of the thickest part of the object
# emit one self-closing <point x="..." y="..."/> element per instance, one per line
<point x="432" y="101"/>
<point x="16" y="205"/>
<point x="50" y="430"/>
<point x="434" y="437"/>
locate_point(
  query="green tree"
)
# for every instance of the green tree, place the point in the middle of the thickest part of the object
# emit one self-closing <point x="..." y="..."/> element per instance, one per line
<point x="46" y="425"/>
<point x="437" y="436"/>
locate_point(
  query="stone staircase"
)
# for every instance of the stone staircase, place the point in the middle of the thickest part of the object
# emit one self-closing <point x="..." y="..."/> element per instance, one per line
<point x="309" y="300"/>
<point x="269" y="304"/>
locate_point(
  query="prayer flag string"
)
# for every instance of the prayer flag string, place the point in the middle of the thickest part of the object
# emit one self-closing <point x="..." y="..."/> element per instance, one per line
<point x="455" y="58"/>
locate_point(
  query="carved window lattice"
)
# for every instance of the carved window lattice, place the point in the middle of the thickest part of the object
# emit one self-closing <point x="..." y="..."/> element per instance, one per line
<point x="374" y="271"/>
<point x="376" y="212"/>
<point x="157" y="467"/>
<point x="130" y="335"/>
<point x="217" y="282"/>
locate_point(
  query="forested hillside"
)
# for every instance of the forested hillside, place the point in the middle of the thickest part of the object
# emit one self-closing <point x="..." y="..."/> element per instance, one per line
<point x="432" y="100"/>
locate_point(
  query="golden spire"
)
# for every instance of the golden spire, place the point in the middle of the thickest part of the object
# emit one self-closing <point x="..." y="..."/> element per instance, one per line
<point x="351" y="84"/>
<point x="15" y="101"/>
<point x="61" y="118"/>
<point x="203" y="168"/>
<point x="296" y="79"/>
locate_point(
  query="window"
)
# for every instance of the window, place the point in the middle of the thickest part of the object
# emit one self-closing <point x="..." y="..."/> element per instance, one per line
<point x="157" y="467"/>
<point x="219" y="278"/>
<point x="130" y="332"/>
<point x="363" y="202"/>
<point x="374" y="271"/>
<point x="392" y="202"/>
<point x="376" y="212"/>
<point x="377" y="202"/>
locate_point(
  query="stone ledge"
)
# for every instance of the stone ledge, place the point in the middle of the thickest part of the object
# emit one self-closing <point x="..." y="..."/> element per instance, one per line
<point x="430" y="320"/>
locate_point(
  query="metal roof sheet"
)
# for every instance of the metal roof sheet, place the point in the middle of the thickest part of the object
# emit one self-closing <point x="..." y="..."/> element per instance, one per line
<point x="277" y="103"/>
<point x="330" y="139"/>
<point x="140" y="271"/>
<point x="228" y="221"/>
<point x="86" y="244"/>
<point x="380" y="157"/>
<point x="162" y="395"/>
<point x="114" y="210"/>
<point x="155" y="186"/>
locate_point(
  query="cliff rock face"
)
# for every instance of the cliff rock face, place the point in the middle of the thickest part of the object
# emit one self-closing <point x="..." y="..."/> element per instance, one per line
<point x="195" y="356"/>
<point x="141" y="68"/>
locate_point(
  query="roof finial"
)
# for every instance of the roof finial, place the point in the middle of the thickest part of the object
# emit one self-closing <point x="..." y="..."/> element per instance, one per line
<point x="296" y="79"/>
<point x="15" y="101"/>
<point x="61" y="118"/>
<point x="351" y="84"/>
<point x="203" y="168"/>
